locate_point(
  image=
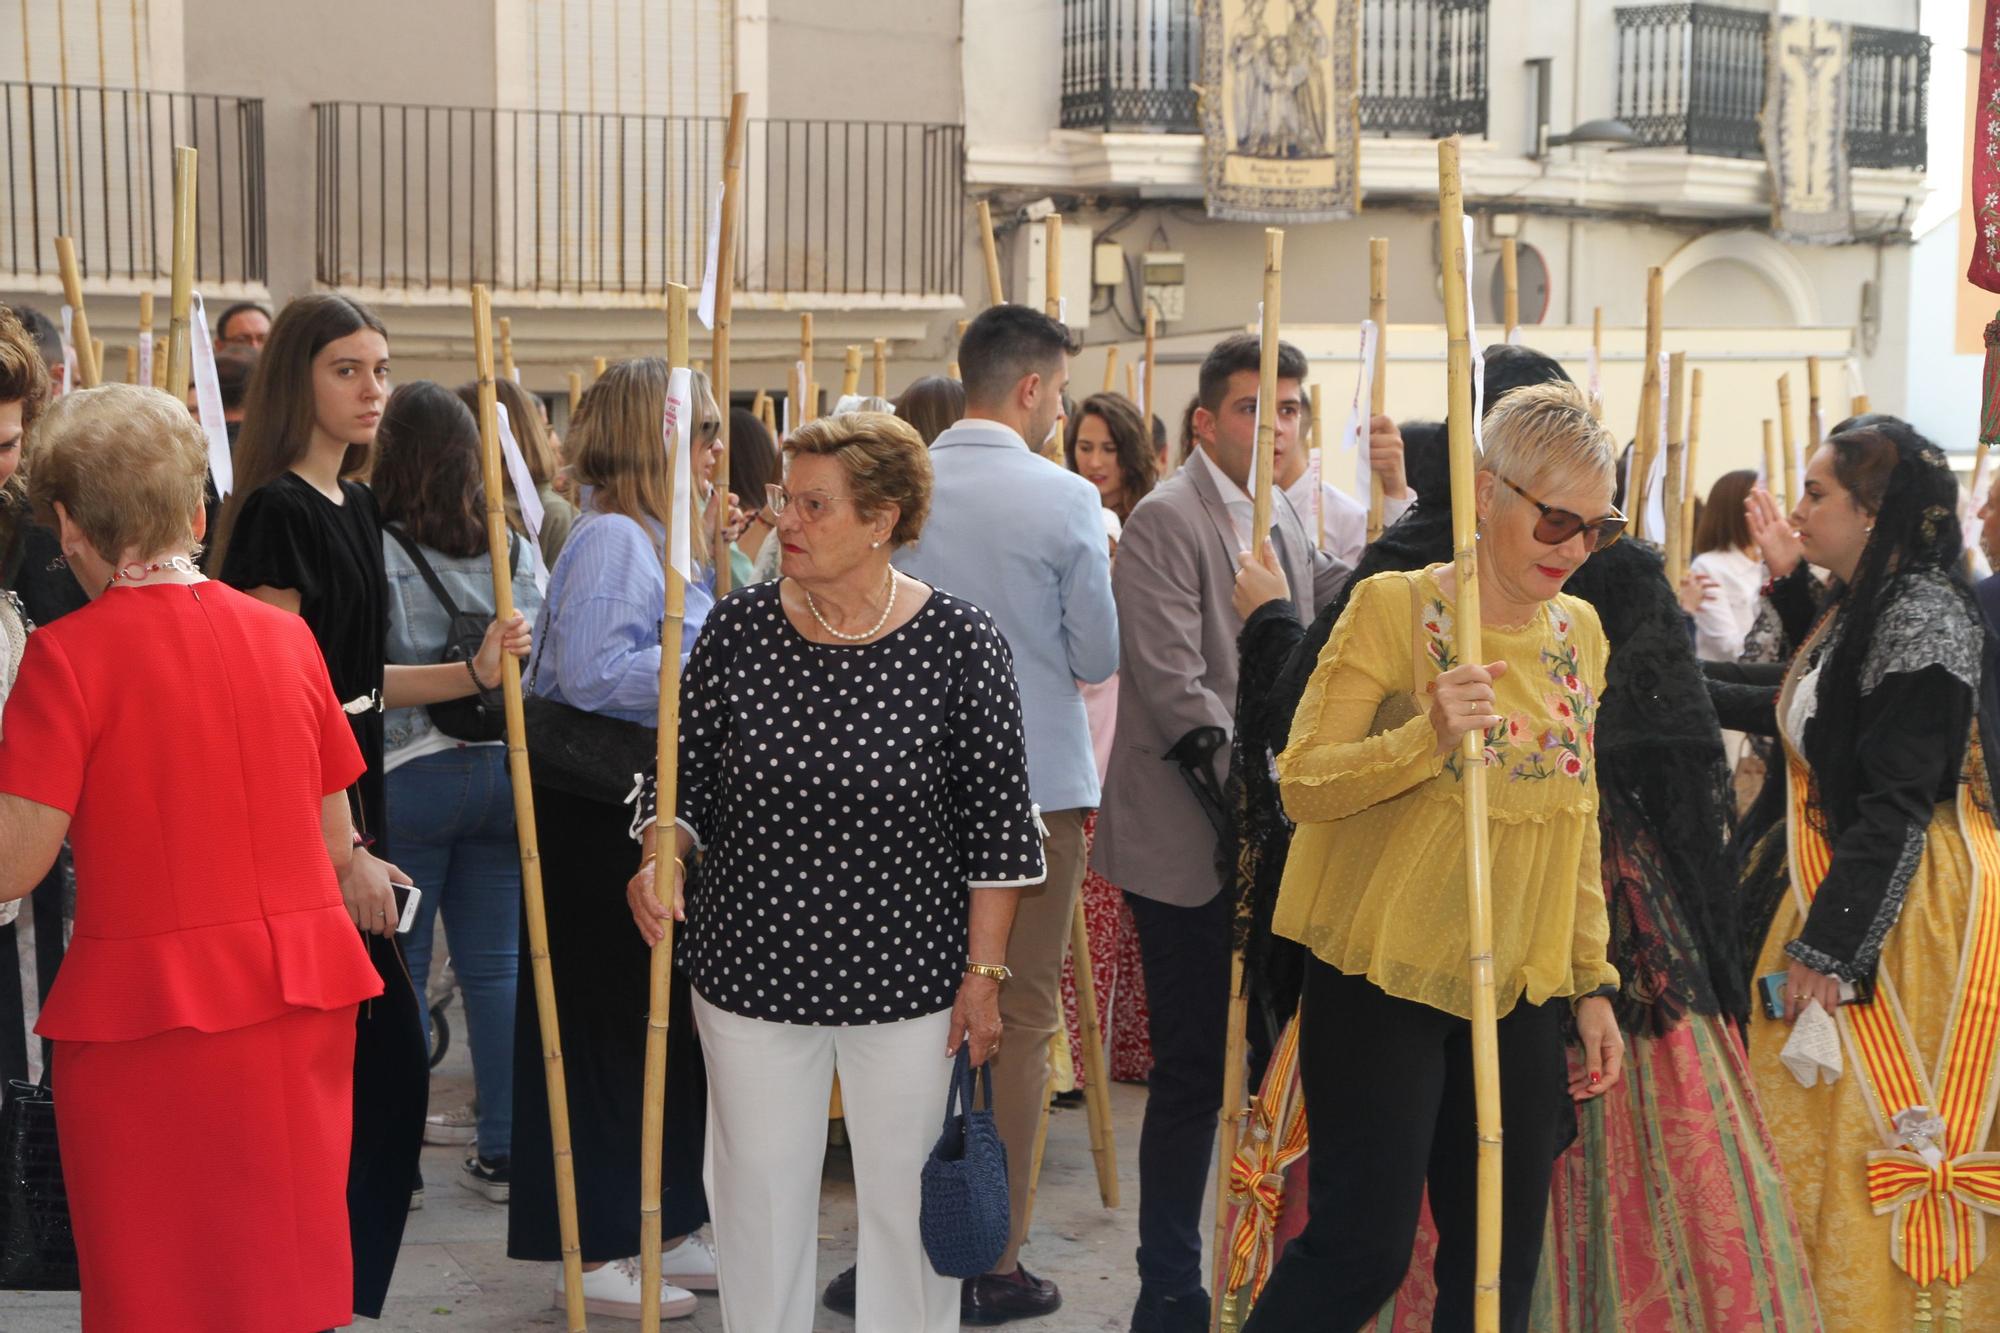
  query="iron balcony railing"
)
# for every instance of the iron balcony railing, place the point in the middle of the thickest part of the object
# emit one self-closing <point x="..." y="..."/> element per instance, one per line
<point x="434" y="197"/>
<point x="1136" y="64"/>
<point x="96" y="165"/>
<point x="1693" y="76"/>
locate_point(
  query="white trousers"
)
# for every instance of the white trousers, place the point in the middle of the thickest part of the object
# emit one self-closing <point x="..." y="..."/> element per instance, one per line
<point x="768" y="1086"/>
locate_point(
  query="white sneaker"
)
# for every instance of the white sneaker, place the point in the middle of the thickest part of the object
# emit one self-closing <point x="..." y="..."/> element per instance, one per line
<point x="690" y="1264"/>
<point x="613" y="1291"/>
<point x="452" y="1128"/>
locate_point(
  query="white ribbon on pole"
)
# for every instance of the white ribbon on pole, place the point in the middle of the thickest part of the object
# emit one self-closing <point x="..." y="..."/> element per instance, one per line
<point x="707" y="307"/>
<point x="675" y="435"/>
<point x="525" y="493"/>
<point x="69" y="351"/>
<point x="1355" y="433"/>
<point x="208" y="402"/>
<point x="145" y="360"/>
<point x="1596" y="377"/>
<point x="1478" y="352"/>
<point x="1653" y="522"/>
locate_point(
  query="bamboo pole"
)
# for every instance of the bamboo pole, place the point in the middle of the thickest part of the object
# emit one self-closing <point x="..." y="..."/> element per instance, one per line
<point x="1041" y="1146"/>
<point x="995" y="293"/>
<point x="507" y="369"/>
<point x="1146" y="380"/>
<point x="1378" y="388"/>
<point x="89" y="370"/>
<point x="575" y="392"/>
<point x="1772" y="472"/>
<point x="812" y="398"/>
<point x="1132" y="393"/>
<point x="1693" y="464"/>
<point x="1510" y="288"/>
<point x="132" y="364"/>
<point x="597" y="366"/>
<point x="1648" y="435"/>
<point x="1675" y="498"/>
<point x="850" y="372"/>
<point x="146" y="330"/>
<point x="1234" y="1068"/>
<point x="1857" y="406"/>
<point x="1096" y="1069"/>
<point x="1319" y="453"/>
<point x="1052" y="266"/>
<point x="805" y="345"/>
<point x="666" y="757"/>
<point x="1597" y="357"/>
<point x="159" y="363"/>
<point x="725" y="295"/>
<point x="1815" y="424"/>
<point x="179" y="349"/>
<point x="760" y="402"/>
<point x="1111" y="369"/>
<point x="1470" y="645"/>
<point x="1788" y="437"/>
<point x="881" y="367"/>
<point x="532" y="903"/>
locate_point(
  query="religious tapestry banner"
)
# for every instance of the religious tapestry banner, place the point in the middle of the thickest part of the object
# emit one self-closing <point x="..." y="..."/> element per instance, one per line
<point x="1280" y="109"/>
<point x="1984" y="270"/>
<point x="1805" y="130"/>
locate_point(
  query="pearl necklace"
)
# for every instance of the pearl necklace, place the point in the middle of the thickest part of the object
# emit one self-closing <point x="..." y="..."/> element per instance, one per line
<point x="869" y="633"/>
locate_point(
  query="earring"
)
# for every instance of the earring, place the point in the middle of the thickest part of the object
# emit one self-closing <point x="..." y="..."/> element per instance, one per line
<point x="874" y="546"/>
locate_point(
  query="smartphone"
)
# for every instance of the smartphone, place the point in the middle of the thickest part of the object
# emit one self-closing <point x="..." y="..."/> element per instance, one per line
<point x="407" y="898"/>
<point x="1771" y="989"/>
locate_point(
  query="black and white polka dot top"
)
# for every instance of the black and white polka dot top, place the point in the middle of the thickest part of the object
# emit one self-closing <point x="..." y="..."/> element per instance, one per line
<point x="847" y="798"/>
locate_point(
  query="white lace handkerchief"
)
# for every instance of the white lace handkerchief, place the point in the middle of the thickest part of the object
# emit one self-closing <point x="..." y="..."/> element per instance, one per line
<point x="1813" y="1053"/>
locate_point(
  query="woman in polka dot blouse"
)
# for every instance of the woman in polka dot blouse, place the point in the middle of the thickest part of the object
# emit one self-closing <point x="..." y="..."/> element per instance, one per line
<point x="853" y="772"/>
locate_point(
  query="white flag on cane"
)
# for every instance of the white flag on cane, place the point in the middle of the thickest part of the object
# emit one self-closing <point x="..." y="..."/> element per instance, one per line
<point x="145" y="360"/>
<point x="676" y="436"/>
<point x="525" y="493"/>
<point x="1478" y="353"/>
<point x="1355" y="434"/>
<point x="208" y="402"/>
<point x="707" y="307"/>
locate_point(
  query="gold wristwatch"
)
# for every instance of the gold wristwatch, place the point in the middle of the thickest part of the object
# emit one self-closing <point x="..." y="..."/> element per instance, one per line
<point x="996" y="971"/>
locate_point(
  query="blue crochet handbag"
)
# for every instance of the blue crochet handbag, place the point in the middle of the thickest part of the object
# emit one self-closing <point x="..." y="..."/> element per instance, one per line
<point x="964" y="1212"/>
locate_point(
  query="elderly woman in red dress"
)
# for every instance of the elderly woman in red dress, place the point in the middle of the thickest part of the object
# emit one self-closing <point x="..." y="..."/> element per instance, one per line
<point x="186" y="740"/>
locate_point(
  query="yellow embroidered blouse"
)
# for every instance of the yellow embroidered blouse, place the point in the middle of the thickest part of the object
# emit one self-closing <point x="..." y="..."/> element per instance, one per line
<point x="1375" y="884"/>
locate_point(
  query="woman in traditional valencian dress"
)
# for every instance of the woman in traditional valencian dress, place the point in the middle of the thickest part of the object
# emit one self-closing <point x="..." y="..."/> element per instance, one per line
<point x="1889" y="862"/>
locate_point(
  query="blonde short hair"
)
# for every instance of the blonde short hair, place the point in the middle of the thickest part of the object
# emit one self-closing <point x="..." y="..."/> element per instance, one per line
<point x="886" y="460"/>
<point x="1541" y="433"/>
<point x="128" y="465"/>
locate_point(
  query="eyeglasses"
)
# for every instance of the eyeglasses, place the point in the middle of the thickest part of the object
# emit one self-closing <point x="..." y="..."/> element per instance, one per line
<point x="1557" y="526"/>
<point x="813" y="505"/>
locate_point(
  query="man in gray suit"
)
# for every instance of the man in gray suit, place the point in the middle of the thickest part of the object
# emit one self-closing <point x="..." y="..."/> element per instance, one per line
<point x="1177" y="568"/>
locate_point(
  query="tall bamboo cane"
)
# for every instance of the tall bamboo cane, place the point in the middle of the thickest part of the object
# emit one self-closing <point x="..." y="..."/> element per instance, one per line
<point x="89" y="369"/>
<point x="97" y="353"/>
<point x="1146" y="379"/>
<point x="1648" y="435"/>
<point x="1857" y="406"/>
<point x="1815" y="424"/>
<point x="881" y="367"/>
<point x="763" y="401"/>
<point x="179" y="349"/>
<point x="1132" y="392"/>
<point x="132" y="365"/>
<point x="1096" y="1069"/>
<point x="1478" y="867"/>
<point x="1111" y="370"/>
<point x="1597" y="356"/>
<point x="1772" y="474"/>
<point x="1693" y="464"/>
<point x="575" y="392"/>
<point x="1786" y="433"/>
<point x="1670" y="511"/>
<point x="159" y="363"/>
<point x="725" y="289"/>
<point x="1510" y="288"/>
<point x="1378" y="388"/>
<point x="597" y="368"/>
<point x="652" y="1141"/>
<point x="805" y="350"/>
<point x="524" y="818"/>
<point x="1319" y="453"/>
<point x="1052" y="266"/>
<point x="850" y="372"/>
<point x="995" y="293"/>
<point x="507" y="349"/>
<point x="1234" y="1070"/>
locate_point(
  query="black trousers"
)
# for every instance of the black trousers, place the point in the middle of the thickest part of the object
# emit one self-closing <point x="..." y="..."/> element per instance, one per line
<point x="1185" y="954"/>
<point x="1389" y="1105"/>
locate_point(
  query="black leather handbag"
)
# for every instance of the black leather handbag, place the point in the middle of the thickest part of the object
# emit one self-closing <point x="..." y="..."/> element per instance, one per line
<point x="582" y="753"/>
<point x="37" y="1249"/>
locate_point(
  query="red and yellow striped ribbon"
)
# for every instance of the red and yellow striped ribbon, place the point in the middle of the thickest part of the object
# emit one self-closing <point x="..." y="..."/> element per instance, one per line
<point x="1938" y="1230"/>
<point x="1257" y="1172"/>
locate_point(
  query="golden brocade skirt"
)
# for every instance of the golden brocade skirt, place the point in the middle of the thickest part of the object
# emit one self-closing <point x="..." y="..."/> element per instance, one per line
<point x="1824" y="1133"/>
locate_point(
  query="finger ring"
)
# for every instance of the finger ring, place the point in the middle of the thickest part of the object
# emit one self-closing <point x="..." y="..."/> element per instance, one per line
<point x="381" y="912"/>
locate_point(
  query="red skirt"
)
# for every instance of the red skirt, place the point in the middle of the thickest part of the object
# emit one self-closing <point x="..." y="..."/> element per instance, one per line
<point x="207" y="1175"/>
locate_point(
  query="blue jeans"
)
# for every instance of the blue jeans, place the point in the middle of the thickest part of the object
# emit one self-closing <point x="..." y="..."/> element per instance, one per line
<point x="451" y="823"/>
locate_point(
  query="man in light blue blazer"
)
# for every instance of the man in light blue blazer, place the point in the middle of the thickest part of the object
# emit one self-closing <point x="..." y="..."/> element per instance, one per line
<point x="1024" y="539"/>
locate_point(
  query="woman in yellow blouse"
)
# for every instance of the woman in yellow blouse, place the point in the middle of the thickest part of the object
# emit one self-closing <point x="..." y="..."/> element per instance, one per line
<point x="1375" y="886"/>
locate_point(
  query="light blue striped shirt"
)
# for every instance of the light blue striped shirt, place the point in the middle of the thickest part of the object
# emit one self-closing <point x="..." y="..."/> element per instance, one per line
<point x="1023" y="539"/>
<point x="598" y="638"/>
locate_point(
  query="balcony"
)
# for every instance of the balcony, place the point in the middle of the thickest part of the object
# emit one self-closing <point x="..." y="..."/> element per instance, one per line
<point x="606" y="209"/>
<point x="1134" y="65"/>
<point x="1692" y="75"/>
<point x="96" y="164"/>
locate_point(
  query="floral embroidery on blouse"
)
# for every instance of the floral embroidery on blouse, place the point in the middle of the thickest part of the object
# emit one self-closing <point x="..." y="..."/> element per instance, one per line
<point x="1520" y="743"/>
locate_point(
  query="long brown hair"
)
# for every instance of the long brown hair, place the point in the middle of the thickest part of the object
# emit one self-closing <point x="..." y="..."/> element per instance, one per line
<point x="280" y="408"/>
<point x="616" y="448"/>
<point x="1138" y="465"/>
<point x="1722" y="525"/>
<point x="426" y="474"/>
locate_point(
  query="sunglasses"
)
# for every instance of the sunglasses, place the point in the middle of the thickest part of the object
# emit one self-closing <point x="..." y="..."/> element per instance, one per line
<point x="1557" y="526"/>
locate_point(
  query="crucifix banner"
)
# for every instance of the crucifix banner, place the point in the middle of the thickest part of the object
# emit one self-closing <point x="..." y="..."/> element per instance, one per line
<point x="1805" y="131"/>
<point x="1280" y="109"/>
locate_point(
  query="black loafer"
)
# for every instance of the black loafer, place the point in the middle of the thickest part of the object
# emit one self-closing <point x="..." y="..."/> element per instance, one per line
<point x="991" y="1300"/>
<point x="1170" y="1314"/>
<point x="839" y="1296"/>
